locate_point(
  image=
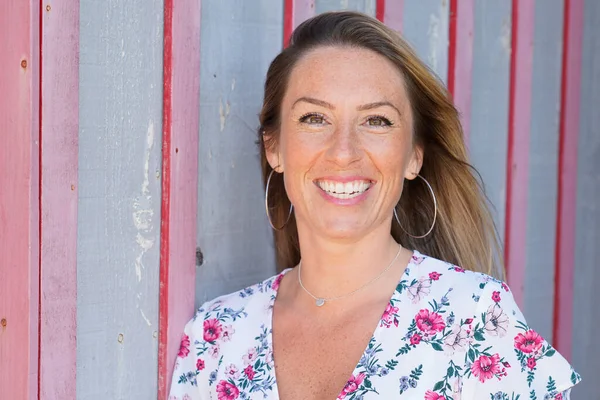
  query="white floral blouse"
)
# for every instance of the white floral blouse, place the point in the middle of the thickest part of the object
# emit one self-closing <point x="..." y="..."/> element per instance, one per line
<point x="446" y="334"/>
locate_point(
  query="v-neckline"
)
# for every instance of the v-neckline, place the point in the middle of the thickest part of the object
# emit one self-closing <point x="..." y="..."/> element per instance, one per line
<point x="376" y="332"/>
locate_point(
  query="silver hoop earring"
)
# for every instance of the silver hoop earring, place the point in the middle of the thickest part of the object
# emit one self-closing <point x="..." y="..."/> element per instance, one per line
<point x="267" y="206"/>
<point x="434" y="213"/>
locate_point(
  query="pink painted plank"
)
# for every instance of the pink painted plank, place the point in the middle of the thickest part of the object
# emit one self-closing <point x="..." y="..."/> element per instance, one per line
<point x="460" y="59"/>
<point x="19" y="205"/>
<point x="59" y="154"/>
<point x="180" y="180"/>
<point x="294" y="13"/>
<point x="567" y="176"/>
<point x="517" y="165"/>
<point x="390" y="13"/>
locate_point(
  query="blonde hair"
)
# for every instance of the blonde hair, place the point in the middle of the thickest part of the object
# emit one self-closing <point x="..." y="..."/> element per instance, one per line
<point x="464" y="233"/>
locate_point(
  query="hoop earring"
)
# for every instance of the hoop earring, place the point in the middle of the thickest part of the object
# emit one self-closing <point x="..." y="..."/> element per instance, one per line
<point x="267" y="206"/>
<point x="434" y="213"/>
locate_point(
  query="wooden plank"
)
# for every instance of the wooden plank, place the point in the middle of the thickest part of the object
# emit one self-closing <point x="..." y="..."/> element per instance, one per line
<point x="517" y="164"/>
<point x="390" y="13"/>
<point x="19" y="199"/>
<point x="460" y="59"/>
<point x="567" y="175"/>
<point x="363" y="6"/>
<point x="59" y="132"/>
<point x="181" y="105"/>
<point x="295" y="12"/>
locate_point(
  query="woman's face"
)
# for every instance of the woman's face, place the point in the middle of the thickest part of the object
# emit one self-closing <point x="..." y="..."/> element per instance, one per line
<point x="345" y="144"/>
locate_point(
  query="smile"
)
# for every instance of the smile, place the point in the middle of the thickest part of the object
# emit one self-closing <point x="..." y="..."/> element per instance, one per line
<point x="344" y="190"/>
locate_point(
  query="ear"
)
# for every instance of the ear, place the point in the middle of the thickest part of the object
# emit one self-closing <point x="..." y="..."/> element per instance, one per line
<point x="415" y="163"/>
<point x="272" y="153"/>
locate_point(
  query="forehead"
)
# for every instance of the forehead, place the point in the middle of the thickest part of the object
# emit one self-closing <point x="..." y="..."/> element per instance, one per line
<point x="346" y="74"/>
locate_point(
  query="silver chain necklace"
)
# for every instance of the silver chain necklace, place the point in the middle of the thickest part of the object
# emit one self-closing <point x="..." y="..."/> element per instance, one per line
<point x="320" y="301"/>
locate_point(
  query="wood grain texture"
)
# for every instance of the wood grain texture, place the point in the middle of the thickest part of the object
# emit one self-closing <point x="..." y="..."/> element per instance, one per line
<point x="517" y="163"/>
<point x="567" y="175"/>
<point x="365" y="6"/>
<point x="120" y="135"/>
<point x="460" y="59"/>
<point x="181" y="105"/>
<point x="59" y="132"/>
<point x="19" y="199"/>
<point x="233" y="233"/>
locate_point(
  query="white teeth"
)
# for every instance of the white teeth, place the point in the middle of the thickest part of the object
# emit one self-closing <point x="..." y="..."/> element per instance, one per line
<point x="346" y="190"/>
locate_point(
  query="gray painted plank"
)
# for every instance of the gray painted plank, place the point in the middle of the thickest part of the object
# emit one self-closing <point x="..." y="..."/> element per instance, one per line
<point x="365" y="6"/>
<point x="425" y="27"/>
<point x="543" y="165"/>
<point x="119" y="206"/>
<point x="586" y="313"/>
<point x="239" y="40"/>
<point x="489" y="109"/>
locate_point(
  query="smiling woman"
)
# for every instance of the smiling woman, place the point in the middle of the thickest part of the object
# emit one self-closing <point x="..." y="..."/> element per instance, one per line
<point x="371" y="302"/>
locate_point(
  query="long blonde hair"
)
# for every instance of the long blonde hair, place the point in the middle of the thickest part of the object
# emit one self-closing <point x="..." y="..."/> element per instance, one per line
<point x="464" y="233"/>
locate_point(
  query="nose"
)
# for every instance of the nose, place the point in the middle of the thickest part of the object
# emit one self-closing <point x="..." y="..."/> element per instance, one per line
<point x="344" y="146"/>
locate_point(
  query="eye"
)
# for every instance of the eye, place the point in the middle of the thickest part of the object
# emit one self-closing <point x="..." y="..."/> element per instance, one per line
<point x="312" y="119"/>
<point x="379" y="121"/>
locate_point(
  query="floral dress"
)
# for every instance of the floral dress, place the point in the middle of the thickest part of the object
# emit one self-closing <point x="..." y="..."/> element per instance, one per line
<point x="446" y="334"/>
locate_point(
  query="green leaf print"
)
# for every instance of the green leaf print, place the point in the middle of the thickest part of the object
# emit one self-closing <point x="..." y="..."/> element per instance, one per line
<point x="436" y="346"/>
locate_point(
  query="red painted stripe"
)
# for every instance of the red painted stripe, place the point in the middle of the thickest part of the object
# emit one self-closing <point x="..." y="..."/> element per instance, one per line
<point x="517" y="173"/>
<point x="567" y="176"/>
<point x="390" y="13"/>
<point x="294" y="13"/>
<point x="59" y="132"/>
<point x="19" y="206"/>
<point x="181" y="102"/>
<point x="380" y="9"/>
<point x="460" y="59"/>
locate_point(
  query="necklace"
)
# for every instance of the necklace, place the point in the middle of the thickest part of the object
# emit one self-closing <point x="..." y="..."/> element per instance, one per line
<point x="320" y="301"/>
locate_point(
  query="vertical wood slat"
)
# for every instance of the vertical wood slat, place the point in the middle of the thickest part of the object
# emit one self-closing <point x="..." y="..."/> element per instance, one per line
<point x="59" y="155"/>
<point x="19" y="199"/>
<point x="295" y="12"/>
<point x="181" y="104"/>
<point x="517" y="165"/>
<point x="460" y="59"/>
<point x="390" y="13"/>
<point x="567" y="175"/>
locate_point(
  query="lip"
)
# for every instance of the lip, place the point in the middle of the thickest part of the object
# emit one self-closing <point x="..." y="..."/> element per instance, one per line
<point x="343" y="179"/>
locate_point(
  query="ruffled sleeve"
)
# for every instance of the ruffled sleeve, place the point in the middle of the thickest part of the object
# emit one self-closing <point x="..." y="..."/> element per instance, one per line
<point x="189" y="366"/>
<point x="507" y="359"/>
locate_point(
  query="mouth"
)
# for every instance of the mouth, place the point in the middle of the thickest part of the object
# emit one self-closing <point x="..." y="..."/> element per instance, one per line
<point x="344" y="190"/>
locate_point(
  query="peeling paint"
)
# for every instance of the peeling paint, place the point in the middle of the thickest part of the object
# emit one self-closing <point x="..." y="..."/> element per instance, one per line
<point x="505" y="36"/>
<point x="145" y="318"/>
<point x="233" y="84"/>
<point x="433" y="34"/>
<point x="223" y="112"/>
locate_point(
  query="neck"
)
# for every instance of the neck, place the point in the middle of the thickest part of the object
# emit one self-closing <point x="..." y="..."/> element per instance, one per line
<point x="333" y="268"/>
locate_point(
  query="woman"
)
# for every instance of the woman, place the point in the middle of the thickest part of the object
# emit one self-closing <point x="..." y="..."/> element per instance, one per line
<point x="368" y="188"/>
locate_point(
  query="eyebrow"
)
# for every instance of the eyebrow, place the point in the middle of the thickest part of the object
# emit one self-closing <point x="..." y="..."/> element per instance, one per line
<point x="368" y="106"/>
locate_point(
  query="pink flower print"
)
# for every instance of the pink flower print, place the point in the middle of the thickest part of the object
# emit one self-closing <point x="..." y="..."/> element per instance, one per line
<point x="558" y="397"/>
<point x="276" y="282"/>
<point x="496" y="297"/>
<point x="434" y="276"/>
<point x="433" y="396"/>
<point x="352" y="385"/>
<point x="529" y="342"/>
<point x="214" y="351"/>
<point x="417" y="259"/>
<point x="212" y="330"/>
<point x="496" y="321"/>
<point x="232" y="372"/>
<point x="505" y="287"/>
<point x="227" y="332"/>
<point x="415" y="339"/>
<point x="419" y="290"/>
<point x="184" y="347"/>
<point x="250" y="357"/>
<point x="269" y="357"/>
<point x="388" y="315"/>
<point x="429" y="322"/>
<point x="459" y="269"/>
<point x="249" y="371"/>
<point x="486" y="367"/>
<point x="531" y="363"/>
<point x="227" y="391"/>
<point x="456" y="340"/>
<point x="200" y="364"/>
